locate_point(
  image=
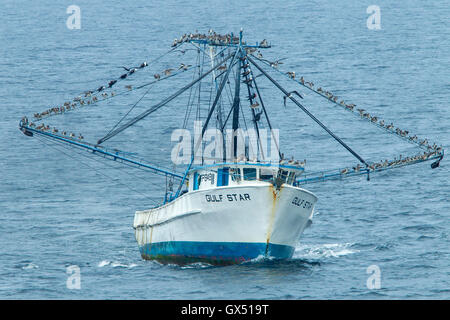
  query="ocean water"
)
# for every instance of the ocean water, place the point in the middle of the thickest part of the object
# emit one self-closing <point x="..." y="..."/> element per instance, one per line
<point x="60" y="209"/>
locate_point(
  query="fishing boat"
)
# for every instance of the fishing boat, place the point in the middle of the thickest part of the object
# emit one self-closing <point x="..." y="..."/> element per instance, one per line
<point x="237" y="203"/>
<point x="232" y="212"/>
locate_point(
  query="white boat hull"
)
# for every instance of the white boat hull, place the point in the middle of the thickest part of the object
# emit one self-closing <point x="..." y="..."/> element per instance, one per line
<point x="226" y="225"/>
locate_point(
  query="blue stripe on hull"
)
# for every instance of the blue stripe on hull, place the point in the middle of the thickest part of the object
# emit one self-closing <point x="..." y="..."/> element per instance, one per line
<point x="221" y="253"/>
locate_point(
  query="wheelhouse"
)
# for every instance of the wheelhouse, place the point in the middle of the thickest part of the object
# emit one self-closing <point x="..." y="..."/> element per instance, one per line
<point x="232" y="174"/>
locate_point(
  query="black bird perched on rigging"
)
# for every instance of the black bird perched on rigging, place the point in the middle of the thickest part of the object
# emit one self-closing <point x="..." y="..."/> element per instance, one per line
<point x="290" y="95"/>
<point x="435" y="164"/>
<point x="253" y="96"/>
<point x="258" y="116"/>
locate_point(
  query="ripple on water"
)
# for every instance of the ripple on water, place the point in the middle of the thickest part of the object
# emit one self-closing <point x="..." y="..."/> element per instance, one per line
<point x="420" y="227"/>
<point x="326" y="250"/>
<point x="29" y="266"/>
<point x="115" y="264"/>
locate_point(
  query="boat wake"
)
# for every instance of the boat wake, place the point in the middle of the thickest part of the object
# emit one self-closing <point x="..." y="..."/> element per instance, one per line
<point x="115" y="264"/>
<point x="320" y="251"/>
<point x="196" y="265"/>
<point x="304" y="256"/>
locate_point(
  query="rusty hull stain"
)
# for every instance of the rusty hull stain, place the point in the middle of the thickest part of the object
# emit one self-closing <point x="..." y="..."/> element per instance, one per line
<point x="275" y="194"/>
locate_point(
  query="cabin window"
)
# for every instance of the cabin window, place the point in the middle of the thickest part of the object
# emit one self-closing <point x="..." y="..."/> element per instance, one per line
<point x="291" y="177"/>
<point x="266" y="175"/>
<point x="196" y="181"/>
<point x="249" y="173"/>
<point x="222" y="177"/>
<point x="235" y="174"/>
<point x="282" y="174"/>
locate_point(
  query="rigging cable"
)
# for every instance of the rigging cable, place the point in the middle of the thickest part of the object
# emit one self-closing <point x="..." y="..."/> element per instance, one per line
<point x="96" y="155"/>
<point x="386" y="129"/>
<point x="308" y="113"/>
<point x="95" y="169"/>
<point x="155" y="107"/>
<point x="265" y="114"/>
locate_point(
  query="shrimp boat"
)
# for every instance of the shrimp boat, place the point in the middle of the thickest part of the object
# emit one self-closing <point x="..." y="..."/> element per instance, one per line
<point x="232" y="212"/>
<point x="236" y="203"/>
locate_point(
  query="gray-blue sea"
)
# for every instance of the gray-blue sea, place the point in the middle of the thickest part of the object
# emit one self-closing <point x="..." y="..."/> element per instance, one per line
<point x="60" y="209"/>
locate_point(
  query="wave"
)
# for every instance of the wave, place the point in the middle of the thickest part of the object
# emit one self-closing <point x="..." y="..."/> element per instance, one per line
<point x="29" y="266"/>
<point x="326" y="250"/>
<point x="196" y="265"/>
<point x="115" y="264"/>
<point x="420" y="227"/>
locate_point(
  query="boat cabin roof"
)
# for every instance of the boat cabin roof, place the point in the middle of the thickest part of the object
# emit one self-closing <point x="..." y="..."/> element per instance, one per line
<point x="241" y="173"/>
<point x="214" y="166"/>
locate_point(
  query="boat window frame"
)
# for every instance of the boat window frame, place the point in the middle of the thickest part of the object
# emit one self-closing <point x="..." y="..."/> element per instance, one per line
<point x="260" y="175"/>
<point x="235" y="174"/>
<point x="222" y="175"/>
<point x="246" y="177"/>
<point x="291" y="177"/>
<point x="283" y="174"/>
<point x="197" y="180"/>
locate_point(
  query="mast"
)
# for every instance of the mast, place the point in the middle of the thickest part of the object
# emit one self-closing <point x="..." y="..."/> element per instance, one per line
<point x="236" y="101"/>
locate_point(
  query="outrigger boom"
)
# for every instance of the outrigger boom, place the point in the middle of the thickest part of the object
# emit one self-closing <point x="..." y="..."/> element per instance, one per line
<point x="115" y="155"/>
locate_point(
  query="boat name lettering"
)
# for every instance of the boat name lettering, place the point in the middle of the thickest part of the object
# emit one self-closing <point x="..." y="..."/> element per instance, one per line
<point x="229" y="197"/>
<point x="301" y="203"/>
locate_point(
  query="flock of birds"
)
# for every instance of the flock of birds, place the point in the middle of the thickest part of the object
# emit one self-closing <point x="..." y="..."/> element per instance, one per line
<point x="91" y="97"/>
<point x="373" y="119"/>
<point x="252" y="96"/>
<point x="282" y="161"/>
<point x="46" y="128"/>
<point x="383" y="164"/>
<point x="213" y="38"/>
<point x="432" y="150"/>
<point x="424" y="143"/>
<point x="292" y="162"/>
